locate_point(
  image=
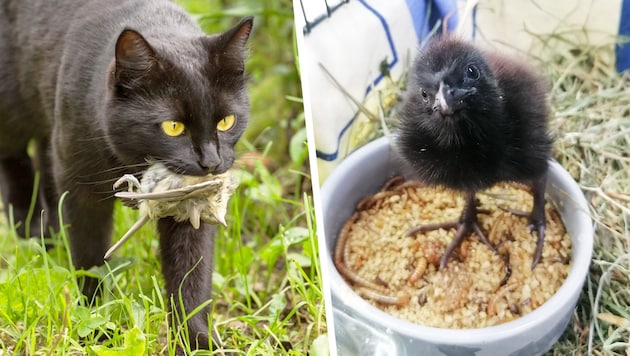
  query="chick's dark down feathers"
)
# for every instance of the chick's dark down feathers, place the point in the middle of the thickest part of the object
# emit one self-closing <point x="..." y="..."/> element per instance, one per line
<point x="472" y="119"/>
<point x="498" y="132"/>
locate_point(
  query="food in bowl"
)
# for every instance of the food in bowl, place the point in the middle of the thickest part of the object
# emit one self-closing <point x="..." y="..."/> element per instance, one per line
<point x="479" y="287"/>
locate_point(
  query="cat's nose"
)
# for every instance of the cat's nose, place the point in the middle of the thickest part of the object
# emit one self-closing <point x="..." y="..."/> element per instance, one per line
<point x="209" y="166"/>
<point x="208" y="159"/>
<point x="209" y="162"/>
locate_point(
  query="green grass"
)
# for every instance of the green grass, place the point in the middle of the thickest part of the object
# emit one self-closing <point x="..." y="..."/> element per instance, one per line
<point x="267" y="293"/>
<point x="267" y="281"/>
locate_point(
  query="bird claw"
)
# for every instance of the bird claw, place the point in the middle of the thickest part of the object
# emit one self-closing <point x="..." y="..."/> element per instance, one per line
<point x="132" y="182"/>
<point x="538" y="226"/>
<point x="464" y="227"/>
<point x="130" y="203"/>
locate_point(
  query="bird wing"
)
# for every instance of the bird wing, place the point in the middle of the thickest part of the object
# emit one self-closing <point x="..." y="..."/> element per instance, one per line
<point x="138" y="224"/>
<point x="199" y="189"/>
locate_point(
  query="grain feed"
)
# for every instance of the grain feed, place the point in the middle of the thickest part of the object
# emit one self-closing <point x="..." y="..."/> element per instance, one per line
<point x="479" y="287"/>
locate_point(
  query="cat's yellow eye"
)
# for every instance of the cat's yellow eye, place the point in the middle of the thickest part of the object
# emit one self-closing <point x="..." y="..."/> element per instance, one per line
<point x="226" y="123"/>
<point x="173" y="128"/>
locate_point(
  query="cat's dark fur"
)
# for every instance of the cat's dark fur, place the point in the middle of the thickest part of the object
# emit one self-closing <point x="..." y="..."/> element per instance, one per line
<point x="90" y="82"/>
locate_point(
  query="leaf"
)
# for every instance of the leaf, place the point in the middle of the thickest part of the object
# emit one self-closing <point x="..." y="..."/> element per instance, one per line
<point x="298" y="149"/>
<point x="277" y="304"/>
<point x="89" y="324"/>
<point x="86" y="320"/>
<point x="295" y="235"/>
<point x="218" y="280"/>
<point x="300" y="259"/>
<point x="135" y="344"/>
<point x="271" y="251"/>
<point x="320" y="346"/>
<point x="276" y="247"/>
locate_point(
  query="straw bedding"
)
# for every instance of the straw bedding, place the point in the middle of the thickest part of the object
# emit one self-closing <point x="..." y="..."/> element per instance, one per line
<point x="479" y="287"/>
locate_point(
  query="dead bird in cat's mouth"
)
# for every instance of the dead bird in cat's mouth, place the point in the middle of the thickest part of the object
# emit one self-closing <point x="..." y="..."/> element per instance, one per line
<point x="162" y="193"/>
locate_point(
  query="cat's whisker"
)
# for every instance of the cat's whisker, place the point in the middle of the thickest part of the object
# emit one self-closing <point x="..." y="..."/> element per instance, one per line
<point x="126" y="169"/>
<point x="121" y="170"/>
<point x="143" y="165"/>
<point x="170" y="164"/>
<point x="108" y="197"/>
<point x="92" y="139"/>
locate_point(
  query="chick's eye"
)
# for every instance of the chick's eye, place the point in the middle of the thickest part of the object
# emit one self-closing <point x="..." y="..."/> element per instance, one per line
<point x="173" y="128"/>
<point x="226" y="123"/>
<point x="424" y="94"/>
<point x="472" y="72"/>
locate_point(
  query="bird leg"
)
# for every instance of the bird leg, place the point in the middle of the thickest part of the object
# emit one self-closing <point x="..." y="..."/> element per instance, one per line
<point x="537" y="221"/>
<point x="536" y="218"/>
<point x="466" y="225"/>
<point x="132" y="182"/>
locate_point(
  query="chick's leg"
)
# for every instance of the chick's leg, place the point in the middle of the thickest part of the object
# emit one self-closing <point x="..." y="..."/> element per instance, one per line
<point x="466" y="225"/>
<point x="536" y="218"/>
<point x="537" y="221"/>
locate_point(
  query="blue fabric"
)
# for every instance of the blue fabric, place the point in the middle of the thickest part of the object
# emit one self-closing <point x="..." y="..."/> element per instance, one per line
<point x="426" y="14"/>
<point x="390" y="41"/>
<point x="623" y="51"/>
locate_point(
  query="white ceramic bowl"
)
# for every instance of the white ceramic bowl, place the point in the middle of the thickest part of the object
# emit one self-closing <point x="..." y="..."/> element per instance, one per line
<point x="362" y="329"/>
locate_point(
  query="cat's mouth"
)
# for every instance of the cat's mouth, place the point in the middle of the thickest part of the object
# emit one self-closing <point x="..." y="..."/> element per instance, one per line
<point x="182" y="168"/>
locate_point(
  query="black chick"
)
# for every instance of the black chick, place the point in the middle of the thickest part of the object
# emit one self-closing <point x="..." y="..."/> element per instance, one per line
<point x="471" y="119"/>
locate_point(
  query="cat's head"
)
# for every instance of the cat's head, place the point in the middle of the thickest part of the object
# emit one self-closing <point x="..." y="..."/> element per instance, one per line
<point x="179" y="100"/>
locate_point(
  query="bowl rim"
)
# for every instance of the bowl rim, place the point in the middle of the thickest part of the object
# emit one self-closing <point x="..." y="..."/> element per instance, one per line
<point x="568" y="293"/>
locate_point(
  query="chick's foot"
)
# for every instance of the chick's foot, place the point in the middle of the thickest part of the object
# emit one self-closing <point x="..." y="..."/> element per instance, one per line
<point x="465" y="225"/>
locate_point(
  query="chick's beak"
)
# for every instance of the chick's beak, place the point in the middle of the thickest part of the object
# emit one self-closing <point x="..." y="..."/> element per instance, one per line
<point x="442" y="102"/>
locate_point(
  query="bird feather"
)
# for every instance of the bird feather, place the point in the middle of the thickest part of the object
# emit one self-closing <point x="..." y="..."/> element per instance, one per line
<point x="162" y="193"/>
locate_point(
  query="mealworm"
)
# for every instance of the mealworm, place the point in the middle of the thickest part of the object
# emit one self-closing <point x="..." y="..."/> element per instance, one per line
<point x="418" y="271"/>
<point x="491" y="308"/>
<point x="382" y="298"/>
<point x="341" y="256"/>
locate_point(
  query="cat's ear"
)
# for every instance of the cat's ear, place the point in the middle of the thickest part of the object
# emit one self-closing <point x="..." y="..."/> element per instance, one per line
<point x="134" y="58"/>
<point x="235" y="38"/>
<point x="232" y="45"/>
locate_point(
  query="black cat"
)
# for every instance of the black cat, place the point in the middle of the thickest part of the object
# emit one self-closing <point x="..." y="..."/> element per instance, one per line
<point x="101" y="87"/>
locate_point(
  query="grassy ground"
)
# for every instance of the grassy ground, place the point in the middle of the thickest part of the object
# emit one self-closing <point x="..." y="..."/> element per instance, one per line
<point x="266" y="285"/>
<point x="267" y="282"/>
<point x="592" y="125"/>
